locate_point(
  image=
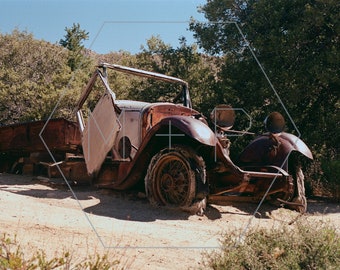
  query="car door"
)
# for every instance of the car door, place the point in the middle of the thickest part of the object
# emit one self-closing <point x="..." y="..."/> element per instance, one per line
<point x="100" y="133"/>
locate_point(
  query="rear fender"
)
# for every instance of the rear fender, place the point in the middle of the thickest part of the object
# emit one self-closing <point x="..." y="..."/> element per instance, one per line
<point x="295" y="144"/>
<point x="273" y="149"/>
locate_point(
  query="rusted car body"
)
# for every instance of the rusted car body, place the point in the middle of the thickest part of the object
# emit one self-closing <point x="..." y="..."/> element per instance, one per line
<point x="174" y="153"/>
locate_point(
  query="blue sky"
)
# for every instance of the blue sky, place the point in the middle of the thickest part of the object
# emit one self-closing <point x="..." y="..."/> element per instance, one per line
<point x="113" y="25"/>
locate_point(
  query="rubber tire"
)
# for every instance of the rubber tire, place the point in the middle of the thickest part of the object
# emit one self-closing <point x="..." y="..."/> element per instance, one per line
<point x="299" y="193"/>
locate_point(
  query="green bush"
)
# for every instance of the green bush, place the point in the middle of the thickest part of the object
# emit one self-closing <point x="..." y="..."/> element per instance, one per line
<point x="302" y="246"/>
<point x="322" y="179"/>
<point x="331" y="172"/>
<point x="13" y="258"/>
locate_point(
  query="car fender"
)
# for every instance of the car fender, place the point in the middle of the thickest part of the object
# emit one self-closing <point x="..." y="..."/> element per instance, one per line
<point x="296" y="144"/>
<point x="189" y="126"/>
<point x="132" y="172"/>
<point x="273" y="149"/>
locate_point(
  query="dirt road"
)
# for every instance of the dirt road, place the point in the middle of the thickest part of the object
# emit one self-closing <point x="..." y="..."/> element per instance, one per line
<point x="50" y="218"/>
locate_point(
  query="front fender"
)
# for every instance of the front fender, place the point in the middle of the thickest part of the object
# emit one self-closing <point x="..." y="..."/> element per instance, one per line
<point x="132" y="172"/>
<point x="189" y="126"/>
<point x="273" y="149"/>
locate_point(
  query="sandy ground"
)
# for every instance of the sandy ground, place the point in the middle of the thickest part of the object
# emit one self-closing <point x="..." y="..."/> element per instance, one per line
<point x="86" y="221"/>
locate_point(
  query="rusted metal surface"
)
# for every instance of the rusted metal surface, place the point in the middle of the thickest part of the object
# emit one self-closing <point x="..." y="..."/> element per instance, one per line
<point x="155" y="112"/>
<point x="191" y="127"/>
<point x="59" y="135"/>
<point x="273" y="149"/>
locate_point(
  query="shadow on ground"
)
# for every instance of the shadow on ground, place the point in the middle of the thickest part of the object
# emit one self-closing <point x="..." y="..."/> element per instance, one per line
<point x="132" y="205"/>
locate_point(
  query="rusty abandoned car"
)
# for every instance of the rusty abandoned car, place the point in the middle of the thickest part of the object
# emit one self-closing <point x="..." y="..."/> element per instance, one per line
<point x="177" y="155"/>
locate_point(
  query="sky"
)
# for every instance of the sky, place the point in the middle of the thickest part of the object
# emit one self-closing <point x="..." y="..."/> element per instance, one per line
<point x="113" y="25"/>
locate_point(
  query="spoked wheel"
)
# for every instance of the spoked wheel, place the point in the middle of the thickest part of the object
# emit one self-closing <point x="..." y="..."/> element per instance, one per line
<point x="175" y="183"/>
<point x="173" y="178"/>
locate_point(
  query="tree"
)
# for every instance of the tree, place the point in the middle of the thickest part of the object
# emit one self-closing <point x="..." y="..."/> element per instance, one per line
<point x="183" y="62"/>
<point x="297" y="45"/>
<point x="34" y="75"/>
<point x="72" y="41"/>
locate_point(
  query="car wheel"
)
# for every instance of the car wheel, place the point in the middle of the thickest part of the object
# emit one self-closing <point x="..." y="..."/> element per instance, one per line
<point x="299" y="196"/>
<point x="175" y="178"/>
<point x="296" y="198"/>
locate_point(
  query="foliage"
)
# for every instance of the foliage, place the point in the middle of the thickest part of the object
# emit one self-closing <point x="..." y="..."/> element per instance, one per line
<point x="296" y="42"/>
<point x="29" y="69"/>
<point x="120" y="83"/>
<point x="297" y="46"/>
<point x="12" y="257"/>
<point x="183" y="62"/>
<point x="34" y="75"/>
<point x="304" y="246"/>
<point x="73" y="42"/>
<point x="331" y="172"/>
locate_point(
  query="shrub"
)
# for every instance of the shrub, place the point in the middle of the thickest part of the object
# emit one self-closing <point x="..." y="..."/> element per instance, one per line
<point x="302" y="246"/>
<point x="13" y="258"/>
